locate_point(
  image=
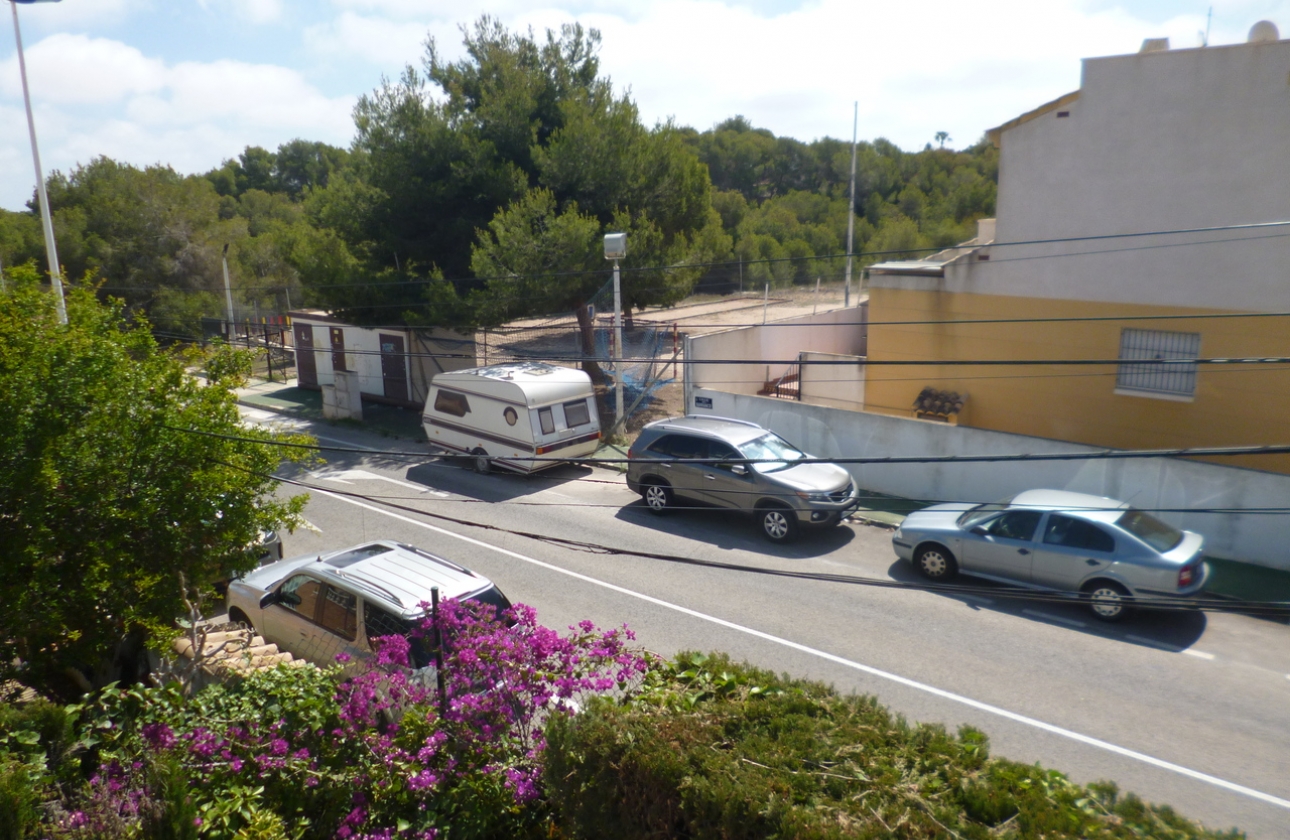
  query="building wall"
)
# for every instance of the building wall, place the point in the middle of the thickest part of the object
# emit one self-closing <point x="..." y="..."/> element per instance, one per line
<point x="1234" y="405"/>
<point x="1171" y="486"/>
<point x="838" y="383"/>
<point x="1172" y="140"/>
<point x="839" y="331"/>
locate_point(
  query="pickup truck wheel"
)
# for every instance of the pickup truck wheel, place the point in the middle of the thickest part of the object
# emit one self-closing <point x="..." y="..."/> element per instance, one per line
<point x="778" y="524"/>
<point x="482" y="463"/>
<point x="658" y="496"/>
<point x="936" y="563"/>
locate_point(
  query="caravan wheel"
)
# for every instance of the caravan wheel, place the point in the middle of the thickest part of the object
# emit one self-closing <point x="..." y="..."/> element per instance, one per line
<point x="483" y="464"/>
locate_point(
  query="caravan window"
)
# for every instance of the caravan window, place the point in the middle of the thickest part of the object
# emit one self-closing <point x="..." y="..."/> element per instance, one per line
<point x="576" y="414"/>
<point x="451" y="402"/>
<point x="547" y="420"/>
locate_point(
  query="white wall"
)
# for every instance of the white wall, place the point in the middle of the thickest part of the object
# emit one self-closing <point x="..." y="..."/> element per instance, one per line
<point x="839" y="384"/>
<point x="1147" y="483"/>
<point x="1187" y="138"/>
<point x="779" y="341"/>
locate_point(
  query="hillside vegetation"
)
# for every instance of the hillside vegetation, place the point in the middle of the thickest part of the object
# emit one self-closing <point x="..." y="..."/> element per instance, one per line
<point x="478" y="190"/>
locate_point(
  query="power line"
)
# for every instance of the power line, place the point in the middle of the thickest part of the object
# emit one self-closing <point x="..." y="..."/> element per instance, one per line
<point x="1103" y="454"/>
<point x="830" y="257"/>
<point x="1271" y="608"/>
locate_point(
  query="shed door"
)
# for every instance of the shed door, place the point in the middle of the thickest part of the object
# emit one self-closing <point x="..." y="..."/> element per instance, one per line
<point x="306" y="364"/>
<point x="394" y="367"/>
<point x="337" y="348"/>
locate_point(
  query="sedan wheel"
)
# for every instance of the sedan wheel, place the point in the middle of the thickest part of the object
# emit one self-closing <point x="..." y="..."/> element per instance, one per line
<point x="1108" y="601"/>
<point x="777" y="524"/>
<point x="936" y="563"/>
<point x="658" y="497"/>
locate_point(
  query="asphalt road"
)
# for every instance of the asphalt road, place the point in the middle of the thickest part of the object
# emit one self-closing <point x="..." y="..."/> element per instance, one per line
<point x="1188" y="709"/>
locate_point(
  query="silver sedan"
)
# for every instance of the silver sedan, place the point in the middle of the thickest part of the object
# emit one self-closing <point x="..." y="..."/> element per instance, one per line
<point x="1055" y="540"/>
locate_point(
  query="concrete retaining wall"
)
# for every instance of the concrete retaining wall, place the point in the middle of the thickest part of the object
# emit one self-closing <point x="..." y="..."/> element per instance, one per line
<point x="778" y="340"/>
<point x="1150" y="484"/>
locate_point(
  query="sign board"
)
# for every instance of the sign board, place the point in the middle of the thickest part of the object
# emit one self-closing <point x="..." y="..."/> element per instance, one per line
<point x="703" y="402"/>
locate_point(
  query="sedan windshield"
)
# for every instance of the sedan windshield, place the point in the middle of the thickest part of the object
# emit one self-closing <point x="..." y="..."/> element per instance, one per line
<point x="772" y="450"/>
<point x="1152" y="531"/>
<point x="976" y="514"/>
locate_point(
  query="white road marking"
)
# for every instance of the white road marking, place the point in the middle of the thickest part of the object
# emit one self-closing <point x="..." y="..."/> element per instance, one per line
<point x="1153" y="643"/>
<point x="348" y="476"/>
<point x="1050" y="617"/>
<point x="867" y="669"/>
<point x="1199" y="654"/>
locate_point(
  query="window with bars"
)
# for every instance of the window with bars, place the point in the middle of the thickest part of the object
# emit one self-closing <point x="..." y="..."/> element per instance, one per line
<point x="1175" y="380"/>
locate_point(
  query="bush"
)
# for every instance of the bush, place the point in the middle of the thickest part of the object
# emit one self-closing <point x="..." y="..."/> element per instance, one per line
<point x="717" y="750"/>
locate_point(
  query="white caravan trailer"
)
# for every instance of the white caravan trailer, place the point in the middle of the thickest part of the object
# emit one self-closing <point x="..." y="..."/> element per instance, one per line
<point x="504" y="415"/>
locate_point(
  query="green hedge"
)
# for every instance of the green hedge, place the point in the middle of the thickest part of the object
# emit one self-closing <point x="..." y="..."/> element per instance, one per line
<point x="719" y="750"/>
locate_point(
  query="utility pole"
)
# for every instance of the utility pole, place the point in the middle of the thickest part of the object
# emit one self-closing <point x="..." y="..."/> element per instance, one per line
<point x="851" y="208"/>
<point x="616" y="249"/>
<point x="51" y="250"/>
<point x="228" y="298"/>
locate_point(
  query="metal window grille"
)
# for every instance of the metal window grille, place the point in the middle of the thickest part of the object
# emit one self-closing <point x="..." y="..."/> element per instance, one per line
<point x="1174" y="379"/>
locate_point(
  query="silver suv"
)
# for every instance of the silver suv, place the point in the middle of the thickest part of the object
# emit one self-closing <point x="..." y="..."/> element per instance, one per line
<point x="318" y="606"/>
<point x="739" y="465"/>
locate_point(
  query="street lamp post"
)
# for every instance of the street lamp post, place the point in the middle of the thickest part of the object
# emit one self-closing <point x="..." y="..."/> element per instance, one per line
<point x="51" y="250"/>
<point x="616" y="249"/>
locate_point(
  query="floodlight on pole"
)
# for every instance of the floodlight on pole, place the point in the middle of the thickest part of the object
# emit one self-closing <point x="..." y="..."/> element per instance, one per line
<point x="51" y="250"/>
<point x="616" y="249"/>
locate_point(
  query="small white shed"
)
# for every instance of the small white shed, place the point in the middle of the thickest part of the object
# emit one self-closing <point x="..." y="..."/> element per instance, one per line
<point x="394" y="364"/>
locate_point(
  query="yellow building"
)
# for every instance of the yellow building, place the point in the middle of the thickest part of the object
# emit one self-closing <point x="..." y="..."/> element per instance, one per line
<point x="1144" y="217"/>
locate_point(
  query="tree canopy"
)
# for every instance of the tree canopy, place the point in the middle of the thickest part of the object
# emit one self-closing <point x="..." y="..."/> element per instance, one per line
<point x="118" y="471"/>
<point x="403" y="227"/>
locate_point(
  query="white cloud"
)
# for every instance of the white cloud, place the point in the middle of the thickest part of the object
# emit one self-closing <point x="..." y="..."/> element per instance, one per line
<point x="388" y="44"/>
<point x="76" y="69"/>
<point x="252" y="11"/>
<point x="100" y="97"/>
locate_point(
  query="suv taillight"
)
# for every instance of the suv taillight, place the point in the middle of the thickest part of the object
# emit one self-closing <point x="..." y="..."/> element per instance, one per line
<point x="1186" y="575"/>
<point x="631" y="454"/>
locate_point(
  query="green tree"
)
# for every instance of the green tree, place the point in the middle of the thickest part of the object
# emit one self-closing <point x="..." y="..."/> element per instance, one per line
<point x="118" y="472"/>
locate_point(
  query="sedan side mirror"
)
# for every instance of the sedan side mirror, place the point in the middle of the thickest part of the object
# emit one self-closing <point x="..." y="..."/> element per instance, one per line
<point x="268" y="599"/>
<point x="979" y="531"/>
<point x="739" y="469"/>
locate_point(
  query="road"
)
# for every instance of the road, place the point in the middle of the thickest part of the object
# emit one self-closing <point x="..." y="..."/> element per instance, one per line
<point x="1188" y="709"/>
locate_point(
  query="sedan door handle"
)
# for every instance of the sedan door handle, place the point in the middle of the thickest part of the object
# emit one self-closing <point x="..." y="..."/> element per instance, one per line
<point x="1023" y="551"/>
<point x="1093" y="562"/>
<point x="710" y="477"/>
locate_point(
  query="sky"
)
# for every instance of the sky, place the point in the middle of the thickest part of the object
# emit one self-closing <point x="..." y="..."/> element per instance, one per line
<point x="191" y="83"/>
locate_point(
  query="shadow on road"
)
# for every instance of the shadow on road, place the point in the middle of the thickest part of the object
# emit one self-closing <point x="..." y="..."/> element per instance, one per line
<point x="732" y="530"/>
<point x="449" y="476"/>
<point x="1174" y="630"/>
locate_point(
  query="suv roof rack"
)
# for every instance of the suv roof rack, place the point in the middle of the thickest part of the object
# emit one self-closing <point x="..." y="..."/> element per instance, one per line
<point x="723" y="419"/>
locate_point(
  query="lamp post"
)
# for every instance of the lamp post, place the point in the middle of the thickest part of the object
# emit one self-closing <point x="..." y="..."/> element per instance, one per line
<point x="616" y="249"/>
<point x="851" y="210"/>
<point x="51" y="251"/>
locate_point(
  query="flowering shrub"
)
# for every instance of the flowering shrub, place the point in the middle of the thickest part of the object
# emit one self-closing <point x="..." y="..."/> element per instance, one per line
<point x="307" y="752"/>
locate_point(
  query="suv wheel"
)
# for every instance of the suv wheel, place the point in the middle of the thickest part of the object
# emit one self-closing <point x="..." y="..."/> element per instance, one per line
<point x="658" y="496"/>
<point x="778" y="524"/>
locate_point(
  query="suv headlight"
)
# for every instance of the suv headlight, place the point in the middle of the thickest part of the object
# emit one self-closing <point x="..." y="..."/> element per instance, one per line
<point x="813" y="497"/>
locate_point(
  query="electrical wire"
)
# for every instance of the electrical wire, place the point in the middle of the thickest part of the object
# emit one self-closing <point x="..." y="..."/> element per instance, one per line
<point x="1103" y="454"/>
<point x="1189" y="604"/>
<point x="772" y="260"/>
